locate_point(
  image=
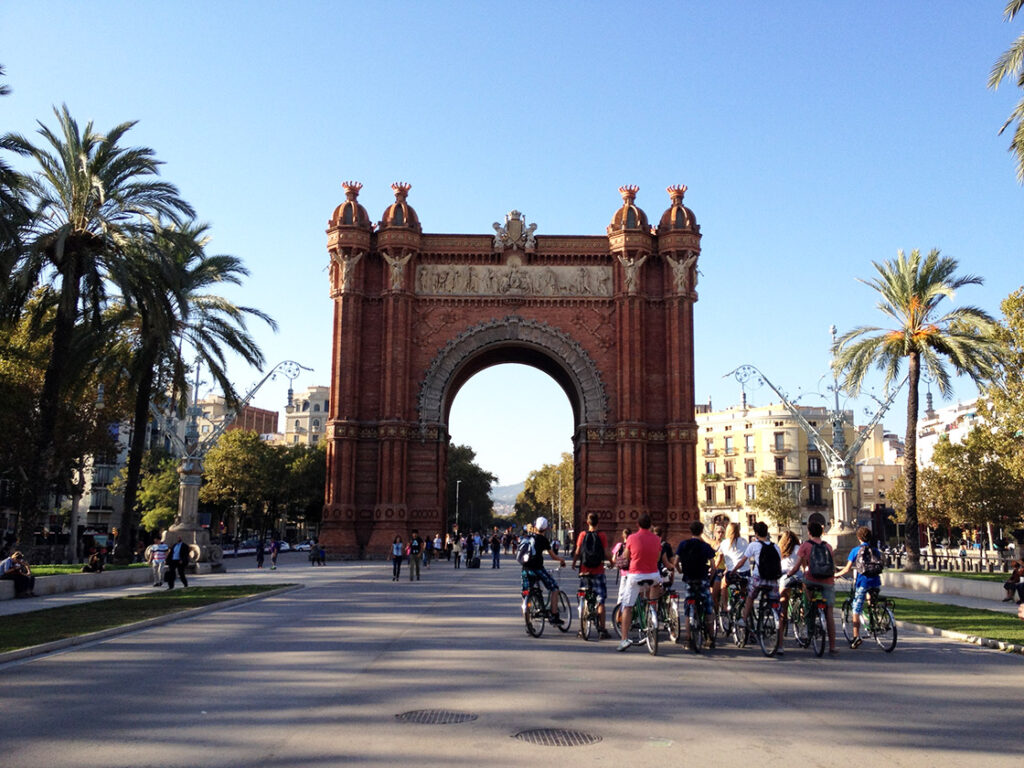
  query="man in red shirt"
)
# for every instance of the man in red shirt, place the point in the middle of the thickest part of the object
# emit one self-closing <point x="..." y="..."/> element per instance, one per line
<point x="591" y="548"/>
<point x="644" y="549"/>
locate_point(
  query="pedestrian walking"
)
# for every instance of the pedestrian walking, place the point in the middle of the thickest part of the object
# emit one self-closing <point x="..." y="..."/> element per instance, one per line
<point x="177" y="559"/>
<point x="156" y="554"/>
<point x="397" y="551"/>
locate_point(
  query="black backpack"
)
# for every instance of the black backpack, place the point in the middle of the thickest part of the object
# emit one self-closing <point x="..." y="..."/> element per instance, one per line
<point x="821" y="565"/>
<point x="769" y="562"/>
<point x="869" y="561"/>
<point x="526" y="550"/>
<point x="592" y="551"/>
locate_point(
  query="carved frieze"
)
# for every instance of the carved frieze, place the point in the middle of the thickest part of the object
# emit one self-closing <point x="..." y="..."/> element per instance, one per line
<point x="513" y="280"/>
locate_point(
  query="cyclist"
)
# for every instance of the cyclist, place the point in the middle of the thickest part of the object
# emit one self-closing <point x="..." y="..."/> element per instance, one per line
<point x="644" y="551"/>
<point x="816" y="557"/>
<point x="668" y="574"/>
<point x="693" y="558"/>
<point x="732" y="549"/>
<point x="718" y="572"/>
<point x="788" y="545"/>
<point x="591" y="549"/>
<point x="759" y="579"/>
<point x="533" y="568"/>
<point x="864" y="582"/>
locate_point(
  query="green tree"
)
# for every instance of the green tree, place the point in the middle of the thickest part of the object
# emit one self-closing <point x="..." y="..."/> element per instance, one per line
<point x="158" y="495"/>
<point x="773" y="499"/>
<point x="14" y="216"/>
<point x="910" y="291"/>
<point x="235" y="474"/>
<point x="475" y="510"/>
<point x="89" y="197"/>
<point x="1011" y="65"/>
<point x="1002" y="404"/>
<point x="307" y="480"/>
<point x="541" y="493"/>
<point x="167" y="278"/>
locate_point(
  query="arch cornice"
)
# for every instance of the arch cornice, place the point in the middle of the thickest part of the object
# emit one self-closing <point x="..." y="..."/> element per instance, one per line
<point x="444" y="369"/>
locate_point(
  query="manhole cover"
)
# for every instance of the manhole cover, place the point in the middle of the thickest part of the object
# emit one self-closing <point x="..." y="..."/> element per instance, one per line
<point x="557" y="737"/>
<point x="435" y="717"/>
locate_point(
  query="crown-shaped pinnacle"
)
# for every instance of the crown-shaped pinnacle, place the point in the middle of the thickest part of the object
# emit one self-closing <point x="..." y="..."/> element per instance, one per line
<point x="401" y="190"/>
<point x="628" y="192"/>
<point x="351" y="189"/>
<point x="676" y="192"/>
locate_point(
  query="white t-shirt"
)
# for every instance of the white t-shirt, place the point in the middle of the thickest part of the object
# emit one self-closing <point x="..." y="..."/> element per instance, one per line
<point x="732" y="554"/>
<point x="753" y="555"/>
<point x="788" y="562"/>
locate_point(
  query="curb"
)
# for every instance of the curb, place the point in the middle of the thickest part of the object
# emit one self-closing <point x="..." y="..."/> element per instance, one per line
<point x="986" y="642"/>
<point x="103" y="634"/>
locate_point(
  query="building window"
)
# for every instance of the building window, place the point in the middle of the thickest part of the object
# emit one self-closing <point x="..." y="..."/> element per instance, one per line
<point x="814" y="466"/>
<point x="316" y="424"/>
<point x="709" y="494"/>
<point x="869" y="492"/>
<point x="728" y="469"/>
<point x="751" y="491"/>
<point x="780" y="441"/>
<point x="316" y="407"/>
<point x="206" y="428"/>
<point x="297" y="423"/>
<point x="709" y="467"/>
<point x="748" y="465"/>
<point x="315" y="439"/>
<point x="748" y="441"/>
<point x="730" y="494"/>
<point x="780" y="466"/>
<point x="814" y="494"/>
<point x="295" y="438"/>
<point x="729" y="448"/>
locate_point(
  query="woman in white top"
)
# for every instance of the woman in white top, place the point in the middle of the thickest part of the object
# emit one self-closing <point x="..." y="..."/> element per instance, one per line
<point x="788" y="545"/>
<point x="731" y="549"/>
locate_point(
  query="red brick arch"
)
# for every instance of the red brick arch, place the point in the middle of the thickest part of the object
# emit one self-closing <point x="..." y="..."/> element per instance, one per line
<point x="610" y="318"/>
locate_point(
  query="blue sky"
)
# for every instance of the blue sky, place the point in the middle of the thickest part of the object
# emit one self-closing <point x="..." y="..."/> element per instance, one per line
<point x="814" y="138"/>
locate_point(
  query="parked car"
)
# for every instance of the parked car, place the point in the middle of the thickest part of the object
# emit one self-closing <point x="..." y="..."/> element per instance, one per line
<point x="303" y="546"/>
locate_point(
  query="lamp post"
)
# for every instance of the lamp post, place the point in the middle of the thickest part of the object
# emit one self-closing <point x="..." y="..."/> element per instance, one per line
<point x="559" y="473"/>
<point x="457" y="484"/>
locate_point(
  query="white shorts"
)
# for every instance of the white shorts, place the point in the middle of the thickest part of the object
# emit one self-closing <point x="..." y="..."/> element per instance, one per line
<point x="629" y="590"/>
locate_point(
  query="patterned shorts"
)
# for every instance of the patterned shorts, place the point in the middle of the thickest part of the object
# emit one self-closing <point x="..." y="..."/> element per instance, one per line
<point x="545" y="578"/>
<point x="597" y="583"/>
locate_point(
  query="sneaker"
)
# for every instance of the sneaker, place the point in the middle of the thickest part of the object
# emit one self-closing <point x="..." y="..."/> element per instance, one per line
<point x="741" y="623"/>
<point x="855" y="643"/>
<point x="1007" y="599"/>
<point x="780" y="652"/>
<point x="555" y="621"/>
<point x="623" y="645"/>
<point x="602" y="634"/>
<point x="710" y="644"/>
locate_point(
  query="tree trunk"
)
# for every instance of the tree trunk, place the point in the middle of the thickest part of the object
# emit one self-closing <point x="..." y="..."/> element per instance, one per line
<point x="43" y="472"/>
<point x="913" y="536"/>
<point x="140" y="431"/>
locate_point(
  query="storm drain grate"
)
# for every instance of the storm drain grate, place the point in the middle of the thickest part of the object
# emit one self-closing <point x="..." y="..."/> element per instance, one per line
<point x="435" y="717"/>
<point x="557" y="737"/>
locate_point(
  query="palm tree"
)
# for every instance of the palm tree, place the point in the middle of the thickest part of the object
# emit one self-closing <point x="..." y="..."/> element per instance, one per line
<point x="13" y="217"/>
<point x="90" y="196"/>
<point x="910" y="290"/>
<point x="1011" y="64"/>
<point x="166" y="282"/>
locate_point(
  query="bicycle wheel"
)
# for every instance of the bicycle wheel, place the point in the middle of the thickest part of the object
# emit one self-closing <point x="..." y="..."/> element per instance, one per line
<point x="694" y="629"/>
<point x="617" y="620"/>
<point x="533" y="613"/>
<point x="652" y="629"/>
<point x="587" y="619"/>
<point x="819" y="632"/>
<point x="564" y="612"/>
<point x="674" y="627"/>
<point x="883" y="627"/>
<point x="768" y="631"/>
<point x="848" y="620"/>
<point x="723" y="622"/>
<point x="739" y="634"/>
<point x="799" y="622"/>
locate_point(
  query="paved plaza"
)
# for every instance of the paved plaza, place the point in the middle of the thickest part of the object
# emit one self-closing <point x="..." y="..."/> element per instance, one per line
<point x="317" y="676"/>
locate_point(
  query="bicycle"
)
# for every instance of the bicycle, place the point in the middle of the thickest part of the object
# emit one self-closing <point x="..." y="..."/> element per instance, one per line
<point x="765" y="618"/>
<point x="587" y="607"/>
<point x="728" y="620"/>
<point x="695" y="616"/>
<point x="644" y="627"/>
<point x="877" y="618"/>
<point x="797" y="615"/>
<point x="815" y="608"/>
<point x="537" y="609"/>
<point x="669" y="614"/>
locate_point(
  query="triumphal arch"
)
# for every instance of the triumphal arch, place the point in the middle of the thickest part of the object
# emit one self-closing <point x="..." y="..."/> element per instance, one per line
<point x="416" y="315"/>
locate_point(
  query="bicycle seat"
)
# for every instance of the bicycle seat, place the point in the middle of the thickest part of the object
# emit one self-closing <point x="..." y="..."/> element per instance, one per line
<point x="645" y="582"/>
<point x="874" y="592"/>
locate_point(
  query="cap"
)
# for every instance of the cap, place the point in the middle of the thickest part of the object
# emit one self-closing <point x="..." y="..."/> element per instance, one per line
<point x="541" y="523"/>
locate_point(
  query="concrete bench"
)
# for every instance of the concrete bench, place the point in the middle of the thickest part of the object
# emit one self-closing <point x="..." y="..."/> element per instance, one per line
<point x="924" y="582"/>
<point x="79" y="582"/>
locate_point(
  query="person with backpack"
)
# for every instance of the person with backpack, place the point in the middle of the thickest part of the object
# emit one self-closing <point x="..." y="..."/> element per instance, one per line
<point x="531" y="556"/>
<point x="591" y="555"/>
<point x="818" y="561"/>
<point x="866" y="559"/>
<point x="414" y="549"/>
<point x="495" y="550"/>
<point x="766" y="568"/>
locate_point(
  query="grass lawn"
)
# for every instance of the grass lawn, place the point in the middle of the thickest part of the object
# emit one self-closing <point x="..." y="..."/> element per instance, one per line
<point x="23" y="630"/>
<point x="62" y="568"/>
<point x="992" y="624"/>
<point x="1000" y="577"/>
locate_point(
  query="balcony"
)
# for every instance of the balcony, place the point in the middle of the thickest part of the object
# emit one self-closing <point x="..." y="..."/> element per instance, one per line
<point x="778" y="449"/>
<point x="730" y="452"/>
<point x="710" y="453"/>
<point x="710" y="477"/>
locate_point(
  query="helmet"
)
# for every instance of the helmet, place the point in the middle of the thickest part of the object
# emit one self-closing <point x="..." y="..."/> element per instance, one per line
<point x="541" y="523"/>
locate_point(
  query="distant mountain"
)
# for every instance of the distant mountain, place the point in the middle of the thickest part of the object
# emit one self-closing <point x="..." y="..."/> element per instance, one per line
<point x="506" y="494"/>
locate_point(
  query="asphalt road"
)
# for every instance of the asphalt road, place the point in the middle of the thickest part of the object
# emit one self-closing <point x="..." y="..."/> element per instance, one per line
<point x="316" y="677"/>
